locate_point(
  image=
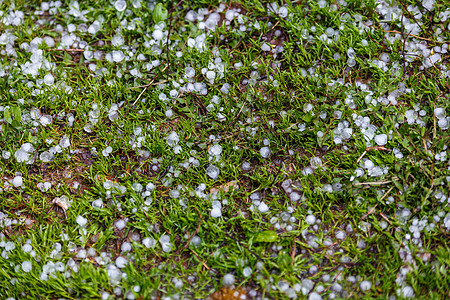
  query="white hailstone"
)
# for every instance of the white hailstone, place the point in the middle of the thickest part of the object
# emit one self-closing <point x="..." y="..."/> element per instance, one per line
<point x="120" y="224"/>
<point x="443" y="124"/>
<point x="6" y="154"/>
<point x="381" y="139"/>
<point x="97" y="203"/>
<point x="118" y="56"/>
<point x="265" y="152"/>
<point x="315" y="162"/>
<point x="165" y="243"/>
<point x="157" y="34"/>
<point x="150" y="186"/>
<point x="121" y="262"/>
<point x="246" y="166"/>
<point x="17" y="181"/>
<point x="120" y="5"/>
<point x="82" y="253"/>
<point x="216" y="212"/>
<point x="340" y="235"/>
<point x="45" y="120"/>
<point x="215" y="150"/>
<point x="213" y="172"/>
<point x="149" y="242"/>
<point x="263" y="208"/>
<point x="173" y="138"/>
<point x="407" y="292"/>
<point x="22" y="156"/>
<point x="82" y="221"/>
<point x="64" y="142"/>
<point x="365" y="285"/>
<point x="94" y="27"/>
<point x="228" y="280"/>
<point x="247" y="272"/>
<point x="211" y="75"/>
<point x="428" y="4"/>
<point x="189" y="72"/>
<point x="169" y="113"/>
<point x="310" y="219"/>
<point x="117" y="40"/>
<point x="439" y="112"/>
<point x="266" y="47"/>
<point x="26" y="266"/>
<point x="27" y="147"/>
<point x="49" y="41"/>
<point x="314" y="296"/>
<point x="126" y="247"/>
<point x="49" y="79"/>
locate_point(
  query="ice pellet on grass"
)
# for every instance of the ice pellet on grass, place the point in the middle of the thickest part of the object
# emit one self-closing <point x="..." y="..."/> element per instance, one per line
<point x="118" y="56"/>
<point x="49" y="79"/>
<point x="64" y="142"/>
<point x="365" y="285"/>
<point x="117" y="40"/>
<point x="165" y="243"/>
<point x="381" y="139"/>
<point x="247" y="272"/>
<point x="310" y="219"/>
<point x="45" y="120"/>
<point x="265" y="152"/>
<point x="213" y="172"/>
<point x="26" y="266"/>
<point x="17" y="181"/>
<point x="263" y="208"/>
<point x="439" y="112"/>
<point x="97" y="203"/>
<point x="228" y="280"/>
<point x="315" y="162"/>
<point x="314" y="296"/>
<point x="173" y="138"/>
<point x="120" y="224"/>
<point x="266" y="47"/>
<point x="82" y="221"/>
<point x="215" y="150"/>
<point x="211" y="75"/>
<point x="246" y="166"/>
<point x="121" y="262"/>
<point x="216" y="212"/>
<point x="157" y="34"/>
<point x="149" y="242"/>
<point x="126" y="246"/>
<point x="189" y="72"/>
<point x="120" y="5"/>
<point x="340" y="235"/>
<point x="407" y="292"/>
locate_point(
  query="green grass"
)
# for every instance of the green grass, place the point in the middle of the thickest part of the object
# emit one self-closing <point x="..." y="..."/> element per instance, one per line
<point x="296" y="101"/>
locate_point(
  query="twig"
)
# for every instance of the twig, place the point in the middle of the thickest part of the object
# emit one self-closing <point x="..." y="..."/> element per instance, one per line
<point x="168" y="34"/>
<point x="384" y="217"/>
<point x="375" y="182"/>
<point x="66" y="50"/>
<point x="403" y="45"/>
<point x="362" y="155"/>
<point x="371" y="211"/>
<point x="416" y="36"/>
<point x="375" y="148"/>
<point x="294" y="250"/>
<point x="385" y="194"/>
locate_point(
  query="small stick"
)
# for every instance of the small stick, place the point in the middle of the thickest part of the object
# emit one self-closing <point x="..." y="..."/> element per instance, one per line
<point x="66" y="50"/>
<point x="384" y="217"/>
<point x="362" y="155"/>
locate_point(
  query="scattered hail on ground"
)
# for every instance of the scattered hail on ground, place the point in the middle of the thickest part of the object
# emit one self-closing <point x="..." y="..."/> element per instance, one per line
<point x="238" y="150"/>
